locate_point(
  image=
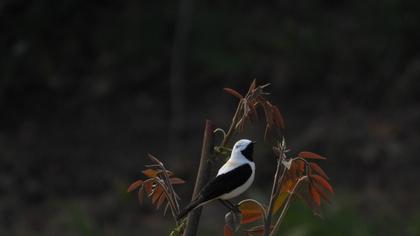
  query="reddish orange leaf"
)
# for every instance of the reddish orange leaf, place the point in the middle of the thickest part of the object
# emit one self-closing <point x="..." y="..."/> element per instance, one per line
<point x="321" y="192"/>
<point x="140" y="194"/>
<point x="176" y="180"/>
<point x="156" y="194"/>
<point x="233" y="93"/>
<point x="257" y="230"/>
<point x="311" y="155"/>
<point x="278" y="118"/>
<point x="250" y="211"/>
<point x="252" y="113"/>
<point x="278" y="203"/>
<point x="160" y="201"/>
<point x="227" y="231"/>
<point x="288" y="185"/>
<point x="315" y="167"/>
<point x="300" y="166"/>
<point x="315" y="195"/>
<point x="148" y="186"/>
<point x="150" y="173"/>
<point x="321" y="181"/>
<point x="135" y="185"/>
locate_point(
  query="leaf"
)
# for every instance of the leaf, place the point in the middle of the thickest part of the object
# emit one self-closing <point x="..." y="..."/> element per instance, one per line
<point x="278" y="117"/>
<point x="148" y="186"/>
<point x="305" y="195"/>
<point x="227" y="231"/>
<point x="288" y="186"/>
<point x="257" y="230"/>
<point x="135" y="185"/>
<point x="314" y="194"/>
<point x="233" y="219"/>
<point x="176" y="180"/>
<point x="321" y="193"/>
<point x="311" y="155"/>
<point x="316" y="168"/>
<point x="250" y="210"/>
<point x="156" y="194"/>
<point x="252" y="86"/>
<point x="160" y="201"/>
<point x="150" y="173"/>
<point x="153" y="158"/>
<point x="321" y="181"/>
<point x="140" y="194"/>
<point x="233" y="93"/>
<point x="300" y="166"/>
<point x="278" y="203"/>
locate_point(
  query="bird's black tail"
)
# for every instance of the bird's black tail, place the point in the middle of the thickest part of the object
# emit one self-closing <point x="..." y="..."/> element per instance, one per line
<point x="189" y="208"/>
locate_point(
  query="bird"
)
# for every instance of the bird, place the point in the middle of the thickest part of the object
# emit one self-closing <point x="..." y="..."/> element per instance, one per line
<point x="232" y="179"/>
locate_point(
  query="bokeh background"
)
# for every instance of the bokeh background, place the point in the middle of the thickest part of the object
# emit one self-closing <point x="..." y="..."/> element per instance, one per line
<point x="87" y="88"/>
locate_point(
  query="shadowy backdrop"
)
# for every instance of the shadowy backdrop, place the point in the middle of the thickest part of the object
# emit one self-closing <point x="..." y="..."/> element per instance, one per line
<point x="87" y="88"/>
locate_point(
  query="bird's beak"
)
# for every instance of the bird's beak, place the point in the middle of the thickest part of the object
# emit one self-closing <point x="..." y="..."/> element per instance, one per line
<point x="253" y="142"/>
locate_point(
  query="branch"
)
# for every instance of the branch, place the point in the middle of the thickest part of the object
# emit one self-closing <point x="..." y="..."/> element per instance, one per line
<point x="203" y="176"/>
<point x="275" y="188"/>
<point x="286" y="206"/>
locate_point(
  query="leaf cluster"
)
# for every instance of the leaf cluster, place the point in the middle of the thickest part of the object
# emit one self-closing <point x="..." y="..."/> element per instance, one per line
<point x="158" y="186"/>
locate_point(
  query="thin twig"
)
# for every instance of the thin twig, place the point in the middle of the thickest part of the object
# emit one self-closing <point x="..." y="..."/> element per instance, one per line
<point x="275" y="190"/>
<point x="286" y="206"/>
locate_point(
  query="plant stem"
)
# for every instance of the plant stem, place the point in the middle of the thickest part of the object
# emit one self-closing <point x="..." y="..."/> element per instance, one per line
<point x="203" y="177"/>
<point x="286" y="206"/>
<point x="232" y="125"/>
<point x="274" y="192"/>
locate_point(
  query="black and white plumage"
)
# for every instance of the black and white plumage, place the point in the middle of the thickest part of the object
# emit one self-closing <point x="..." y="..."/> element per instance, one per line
<point x="232" y="179"/>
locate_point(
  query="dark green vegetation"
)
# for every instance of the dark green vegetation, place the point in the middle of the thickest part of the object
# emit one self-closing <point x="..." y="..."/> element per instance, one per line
<point x="84" y="95"/>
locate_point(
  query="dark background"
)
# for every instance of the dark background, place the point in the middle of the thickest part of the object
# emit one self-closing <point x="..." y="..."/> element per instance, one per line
<point x="87" y="88"/>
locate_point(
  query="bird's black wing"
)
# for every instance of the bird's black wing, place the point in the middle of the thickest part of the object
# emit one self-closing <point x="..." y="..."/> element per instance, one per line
<point x="226" y="182"/>
<point x="220" y="185"/>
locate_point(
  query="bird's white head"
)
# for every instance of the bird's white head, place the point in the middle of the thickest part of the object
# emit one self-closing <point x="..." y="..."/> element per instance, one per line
<point x="243" y="148"/>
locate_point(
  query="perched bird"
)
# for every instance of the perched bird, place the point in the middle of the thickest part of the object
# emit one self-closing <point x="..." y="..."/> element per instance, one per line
<point x="232" y="179"/>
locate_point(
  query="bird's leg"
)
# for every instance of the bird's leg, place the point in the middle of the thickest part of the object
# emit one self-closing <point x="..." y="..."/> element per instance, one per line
<point x="230" y="205"/>
<point x="234" y="207"/>
<point x="226" y="204"/>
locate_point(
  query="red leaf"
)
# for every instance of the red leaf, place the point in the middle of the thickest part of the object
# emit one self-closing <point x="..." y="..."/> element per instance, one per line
<point x="311" y="155"/>
<point x="250" y="211"/>
<point x="323" y="195"/>
<point x="157" y="193"/>
<point x="176" y="180"/>
<point x="227" y="231"/>
<point x="316" y="168"/>
<point x="321" y="181"/>
<point x="140" y="194"/>
<point x="135" y="185"/>
<point x="160" y="201"/>
<point x="257" y="230"/>
<point x="233" y="93"/>
<point x="300" y="166"/>
<point x="150" y="173"/>
<point x="148" y="186"/>
<point x="288" y="185"/>
<point x="315" y="195"/>
<point x="278" y="118"/>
